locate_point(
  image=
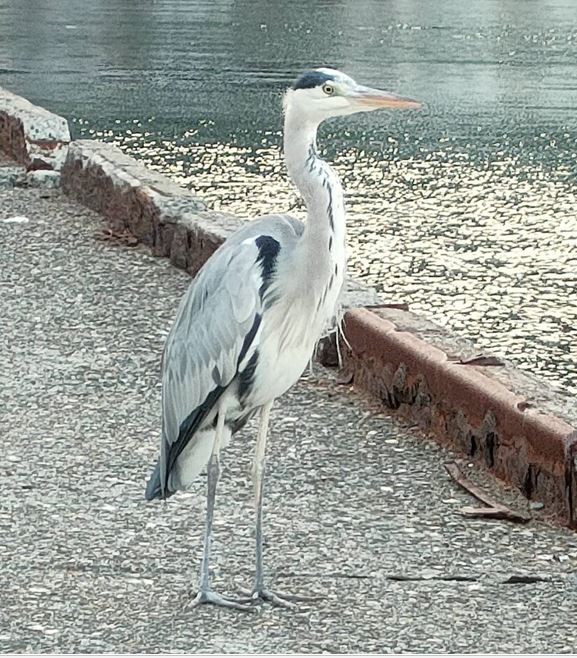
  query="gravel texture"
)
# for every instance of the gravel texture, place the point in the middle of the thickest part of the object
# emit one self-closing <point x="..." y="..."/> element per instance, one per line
<point x="358" y="508"/>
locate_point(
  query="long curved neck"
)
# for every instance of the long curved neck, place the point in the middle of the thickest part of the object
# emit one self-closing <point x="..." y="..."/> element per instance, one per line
<point x="325" y="231"/>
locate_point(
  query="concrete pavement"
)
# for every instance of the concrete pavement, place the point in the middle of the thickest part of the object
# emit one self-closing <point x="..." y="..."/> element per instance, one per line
<point x="357" y="507"/>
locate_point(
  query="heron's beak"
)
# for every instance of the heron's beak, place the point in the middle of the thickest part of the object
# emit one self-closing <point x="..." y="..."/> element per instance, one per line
<point x="373" y="99"/>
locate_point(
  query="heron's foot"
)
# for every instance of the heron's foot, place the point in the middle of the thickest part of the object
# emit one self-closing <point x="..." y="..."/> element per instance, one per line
<point x="278" y="599"/>
<point x="208" y="596"/>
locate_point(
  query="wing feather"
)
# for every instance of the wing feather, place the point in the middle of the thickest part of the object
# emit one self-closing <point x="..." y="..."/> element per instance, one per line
<point x="215" y="335"/>
<point x="215" y="329"/>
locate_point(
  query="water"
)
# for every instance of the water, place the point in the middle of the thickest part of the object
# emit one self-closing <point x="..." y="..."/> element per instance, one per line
<point x="465" y="210"/>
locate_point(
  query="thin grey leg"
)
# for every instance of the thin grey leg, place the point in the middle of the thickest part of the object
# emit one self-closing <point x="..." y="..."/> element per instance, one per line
<point x="259" y="466"/>
<point x="205" y="594"/>
<point x="259" y="591"/>
<point x="213" y="476"/>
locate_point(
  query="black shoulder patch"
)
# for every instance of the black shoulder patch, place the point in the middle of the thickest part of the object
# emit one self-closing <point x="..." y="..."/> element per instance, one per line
<point x="247" y="342"/>
<point x="311" y="79"/>
<point x="246" y="377"/>
<point x="268" y="249"/>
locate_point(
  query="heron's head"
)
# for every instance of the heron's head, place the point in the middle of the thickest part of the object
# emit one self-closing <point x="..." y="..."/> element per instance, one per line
<point x="324" y="93"/>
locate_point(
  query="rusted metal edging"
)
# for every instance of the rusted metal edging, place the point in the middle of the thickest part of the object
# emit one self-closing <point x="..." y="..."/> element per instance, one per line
<point x="466" y="408"/>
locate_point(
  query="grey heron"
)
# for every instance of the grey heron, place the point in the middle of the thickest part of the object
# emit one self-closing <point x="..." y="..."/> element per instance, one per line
<point x="247" y="326"/>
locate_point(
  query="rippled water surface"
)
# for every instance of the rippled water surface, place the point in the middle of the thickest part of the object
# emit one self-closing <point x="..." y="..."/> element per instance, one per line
<point x="466" y="210"/>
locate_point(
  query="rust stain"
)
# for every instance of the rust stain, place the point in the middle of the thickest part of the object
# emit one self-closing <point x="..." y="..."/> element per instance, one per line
<point x="464" y="408"/>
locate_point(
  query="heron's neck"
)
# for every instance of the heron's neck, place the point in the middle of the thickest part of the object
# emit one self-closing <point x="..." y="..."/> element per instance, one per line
<point x="325" y="230"/>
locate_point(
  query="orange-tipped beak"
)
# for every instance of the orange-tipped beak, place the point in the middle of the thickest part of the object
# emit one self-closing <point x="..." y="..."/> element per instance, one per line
<point x="373" y="99"/>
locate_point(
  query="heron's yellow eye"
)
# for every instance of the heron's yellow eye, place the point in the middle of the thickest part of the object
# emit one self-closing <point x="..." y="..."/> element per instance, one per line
<point x="328" y="89"/>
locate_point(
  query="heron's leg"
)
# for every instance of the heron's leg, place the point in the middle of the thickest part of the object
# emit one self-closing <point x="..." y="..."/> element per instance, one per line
<point x="259" y="591"/>
<point x="258" y="471"/>
<point x="205" y="594"/>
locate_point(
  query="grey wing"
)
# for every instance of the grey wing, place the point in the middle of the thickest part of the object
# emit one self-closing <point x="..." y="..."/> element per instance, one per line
<point x="215" y="333"/>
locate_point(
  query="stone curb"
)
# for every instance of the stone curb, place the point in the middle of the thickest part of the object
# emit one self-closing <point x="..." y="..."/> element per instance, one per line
<point x="502" y="418"/>
<point x="33" y="136"/>
<point x="468" y="407"/>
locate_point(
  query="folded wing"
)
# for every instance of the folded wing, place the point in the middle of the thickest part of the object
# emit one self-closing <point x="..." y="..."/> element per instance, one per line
<point x="215" y="333"/>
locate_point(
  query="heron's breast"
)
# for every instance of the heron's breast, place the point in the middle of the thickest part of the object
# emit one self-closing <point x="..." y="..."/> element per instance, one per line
<point x="289" y="335"/>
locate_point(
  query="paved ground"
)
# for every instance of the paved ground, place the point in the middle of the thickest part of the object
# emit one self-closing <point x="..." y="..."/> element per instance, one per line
<point x="357" y="507"/>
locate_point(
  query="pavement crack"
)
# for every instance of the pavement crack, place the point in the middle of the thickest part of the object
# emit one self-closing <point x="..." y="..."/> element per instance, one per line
<point x="527" y="580"/>
<point x="515" y="579"/>
<point x="320" y="576"/>
<point x="444" y="579"/>
<point x="393" y="577"/>
<point x="110" y="570"/>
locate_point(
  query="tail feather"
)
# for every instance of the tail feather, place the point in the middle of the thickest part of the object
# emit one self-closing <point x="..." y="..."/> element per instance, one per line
<point x="154" y="486"/>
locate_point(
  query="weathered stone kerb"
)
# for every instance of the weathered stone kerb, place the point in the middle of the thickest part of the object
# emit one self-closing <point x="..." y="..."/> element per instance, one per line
<point x="31" y="135"/>
<point x="497" y="416"/>
<point x="168" y="218"/>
